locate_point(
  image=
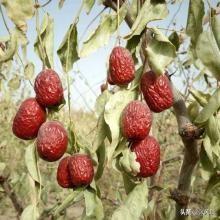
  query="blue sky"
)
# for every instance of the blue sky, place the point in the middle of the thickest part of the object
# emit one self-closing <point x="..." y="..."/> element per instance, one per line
<point x="92" y="68"/>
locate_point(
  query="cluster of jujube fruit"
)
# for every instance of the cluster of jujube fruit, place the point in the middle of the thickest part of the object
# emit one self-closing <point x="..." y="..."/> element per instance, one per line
<point x="136" y="118"/>
<point x="51" y="136"/>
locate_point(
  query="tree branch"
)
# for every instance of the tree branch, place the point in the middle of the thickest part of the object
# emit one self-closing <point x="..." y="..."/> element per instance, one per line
<point x="191" y="156"/>
<point x="113" y="5"/>
<point x="11" y="194"/>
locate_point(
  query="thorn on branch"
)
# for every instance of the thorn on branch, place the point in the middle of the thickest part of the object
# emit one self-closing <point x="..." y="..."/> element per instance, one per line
<point x="191" y="132"/>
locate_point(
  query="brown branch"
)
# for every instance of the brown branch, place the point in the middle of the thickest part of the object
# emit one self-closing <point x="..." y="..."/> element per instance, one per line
<point x="191" y="156"/>
<point x="183" y="198"/>
<point x="113" y="202"/>
<point x="46" y="3"/>
<point x="172" y="159"/>
<point x="113" y="5"/>
<point x="11" y="194"/>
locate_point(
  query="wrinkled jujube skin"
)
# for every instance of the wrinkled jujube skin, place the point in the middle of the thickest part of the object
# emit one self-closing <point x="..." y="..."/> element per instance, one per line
<point x="81" y="170"/>
<point x="148" y="155"/>
<point x="121" y="66"/>
<point x="28" y="119"/>
<point x="48" y="88"/>
<point x="136" y="121"/>
<point x="63" y="174"/>
<point x="52" y="141"/>
<point x="157" y="91"/>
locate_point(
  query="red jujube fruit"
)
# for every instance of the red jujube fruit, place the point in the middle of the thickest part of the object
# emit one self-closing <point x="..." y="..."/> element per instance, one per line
<point x="28" y="119"/>
<point x="148" y="155"/>
<point x="157" y="91"/>
<point x="52" y="141"/>
<point x="121" y="67"/>
<point x="63" y="174"/>
<point x="48" y="88"/>
<point x="136" y="121"/>
<point x="81" y="170"/>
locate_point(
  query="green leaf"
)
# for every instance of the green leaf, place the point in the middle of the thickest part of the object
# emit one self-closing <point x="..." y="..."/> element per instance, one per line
<point x="11" y="48"/>
<point x="129" y="163"/>
<point x="149" y="12"/>
<point x="94" y="208"/>
<point x="122" y="145"/>
<point x="68" y="50"/>
<point x="207" y="166"/>
<point x="208" y="148"/>
<point x="201" y="97"/>
<point x="45" y="50"/>
<point x="174" y="39"/>
<point x="132" y="46"/>
<point x="101" y="154"/>
<point x="209" y="54"/>
<point x="21" y="38"/>
<point x="15" y="82"/>
<point x="136" y="82"/>
<point x="122" y="213"/>
<point x="214" y="208"/>
<point x="194" y="21"/>
<point x="212" y="130"/>
<point x="30" y="213"/>
<point x="132" y="43"/>
<point x="71" y="138"/>
<point x="209" y="109"/>
<point x="19" y="11"/>
<point x="2" y="168"/>
<point x="128" y="183"/>
<point x="101" y="101"/>
<point x="134" y="9"/>
<point x="150" y="209"/>
<point x="101" y="132"/>
<point x="160" y="52"/>
<point x="88" y="4"/>
<point x="31" y="162"/>
<point x="102" y="128"/>
<point x="134" y="205"/>
<point x="101" y="36"/>
<point x="214" y="181"/>
<point x="74" y="196"/>
<point x="193" y="110"/>
<point x="215" y="25"/>
<point x="112" y="115"/>
<point x="29" y="70"/>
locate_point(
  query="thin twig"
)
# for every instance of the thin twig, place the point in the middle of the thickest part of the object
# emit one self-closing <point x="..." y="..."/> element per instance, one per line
<point x="174" y="16"/>
<point x="84" y="100"/>
<point x="46" y="3"/>
<point x="11" y="194"/>
<point x="3" y="18"/>
<point x="42" y="52"/>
